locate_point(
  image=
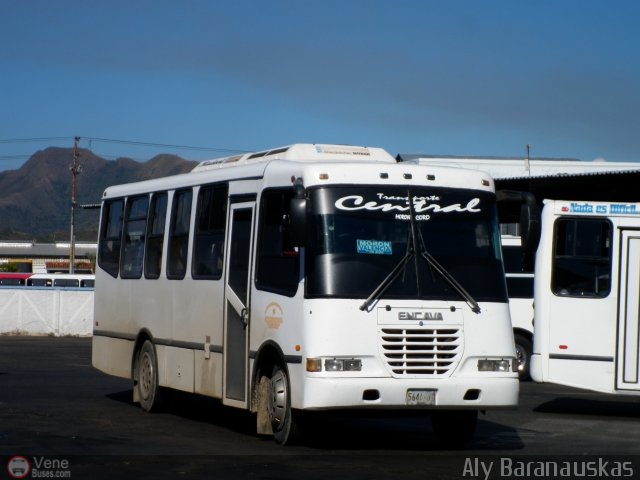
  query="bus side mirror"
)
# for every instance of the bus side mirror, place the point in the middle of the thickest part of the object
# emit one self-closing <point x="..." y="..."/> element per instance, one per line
<point x="529" y="227"/>
<point x="298" y="216"/>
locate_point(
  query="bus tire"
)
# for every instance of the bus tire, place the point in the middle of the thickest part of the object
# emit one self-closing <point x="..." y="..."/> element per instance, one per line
<point x="454" y="428"/>
<point x="523" y="355"/>
<point x="147" y="378"/>
<point x="285" y="429"/>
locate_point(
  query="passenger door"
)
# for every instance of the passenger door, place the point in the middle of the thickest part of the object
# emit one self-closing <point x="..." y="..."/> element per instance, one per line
<point x="237" y="290"/>
<point x="627" y="358"/>
<point x="581" y="304"/>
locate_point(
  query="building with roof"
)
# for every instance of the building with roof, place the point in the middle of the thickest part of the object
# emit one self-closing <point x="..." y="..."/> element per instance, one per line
<point x="46" y="257"/>
<point x="550" y="178"/>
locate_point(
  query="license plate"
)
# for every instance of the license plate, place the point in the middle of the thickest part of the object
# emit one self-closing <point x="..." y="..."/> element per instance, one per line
<point x="420" y="397"/>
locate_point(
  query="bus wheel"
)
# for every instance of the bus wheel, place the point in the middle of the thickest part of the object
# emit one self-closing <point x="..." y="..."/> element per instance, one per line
<point x="283" y="425"/>
<point x="454" y="428"/>
<point x="147" y="378"/>
<point x="523" y="355"/>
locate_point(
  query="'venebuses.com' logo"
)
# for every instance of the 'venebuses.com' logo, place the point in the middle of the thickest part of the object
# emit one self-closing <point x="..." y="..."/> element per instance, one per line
<point x="18" y="467"/>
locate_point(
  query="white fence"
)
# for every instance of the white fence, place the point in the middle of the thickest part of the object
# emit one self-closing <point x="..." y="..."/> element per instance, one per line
<point x="46" y="311"/>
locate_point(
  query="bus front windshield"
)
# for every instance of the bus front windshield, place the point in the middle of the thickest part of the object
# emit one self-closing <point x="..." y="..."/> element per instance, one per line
<point x="359" y="235"/>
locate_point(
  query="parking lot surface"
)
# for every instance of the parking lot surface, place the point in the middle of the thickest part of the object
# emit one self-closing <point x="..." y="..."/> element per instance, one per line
<point x="61" y="416"/>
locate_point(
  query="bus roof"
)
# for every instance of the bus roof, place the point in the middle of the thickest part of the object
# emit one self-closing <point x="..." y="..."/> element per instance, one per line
<point x="81" y="276"/>
<point x="316" y="165"/>
<point x="302" y="152"/>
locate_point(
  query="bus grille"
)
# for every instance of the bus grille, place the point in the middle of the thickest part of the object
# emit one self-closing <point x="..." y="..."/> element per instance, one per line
<point x="419" y="352"/>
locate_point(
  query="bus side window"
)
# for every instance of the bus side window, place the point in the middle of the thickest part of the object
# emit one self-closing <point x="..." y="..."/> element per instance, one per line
<point x="155" y="235"/>
<point x="278" y="264"/>
<point x="87" y="283"/>
<point x="179" y="235"/>
<point x="135" y="226"/>
<point x="110" y="237"/>
<point x="66" y="283"/>
<point x="582" y="258"/>
<point x="208" y="250"/>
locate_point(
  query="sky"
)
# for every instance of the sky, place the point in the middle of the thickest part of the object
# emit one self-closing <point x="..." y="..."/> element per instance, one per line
<point x="204" y="79"/>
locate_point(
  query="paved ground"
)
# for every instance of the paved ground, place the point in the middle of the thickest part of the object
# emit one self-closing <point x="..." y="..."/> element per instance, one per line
<point x="55" y="408"/>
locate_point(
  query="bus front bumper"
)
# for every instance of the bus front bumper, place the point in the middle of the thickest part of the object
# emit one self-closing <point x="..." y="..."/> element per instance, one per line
<point x="323" y="393"/>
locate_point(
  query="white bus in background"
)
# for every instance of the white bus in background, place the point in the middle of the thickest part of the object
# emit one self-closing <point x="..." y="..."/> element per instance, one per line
<point x="309" y="278"/>
<point x="57" y="280"/>
<point x="519" y="275"/>
<point x="61" y="280"/>
<point x="587" y="297"/>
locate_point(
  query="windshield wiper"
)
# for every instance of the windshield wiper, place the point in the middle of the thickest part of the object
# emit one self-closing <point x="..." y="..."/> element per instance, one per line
<point x="443" y="272"/>
<point x="414" y="235"/>
<point x="388" y="281"/>
<point x="475" y="308"/>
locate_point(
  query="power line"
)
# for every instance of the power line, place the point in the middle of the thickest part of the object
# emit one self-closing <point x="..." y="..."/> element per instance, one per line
<point x="7" y="158"/>
<point x="106" y="156"/>
<point x="165" y="145"/>
<point x="90" y="140"/>
<point x="34" y="139"/>
<point x="137" y="158"/>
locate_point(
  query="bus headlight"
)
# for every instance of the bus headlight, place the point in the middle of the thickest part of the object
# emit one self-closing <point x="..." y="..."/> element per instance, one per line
<point x="501" y="365"/>
<point x="342" y="364"/>
<point x="334" y="365"/>
<point x="352" y="365"/>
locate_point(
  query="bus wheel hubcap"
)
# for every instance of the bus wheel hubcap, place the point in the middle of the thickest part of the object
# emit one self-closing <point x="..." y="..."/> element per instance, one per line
<point x="278" y="399"/>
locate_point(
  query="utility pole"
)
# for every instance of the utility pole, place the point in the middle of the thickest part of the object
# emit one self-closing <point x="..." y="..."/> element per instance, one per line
<point x="75" y="171"/>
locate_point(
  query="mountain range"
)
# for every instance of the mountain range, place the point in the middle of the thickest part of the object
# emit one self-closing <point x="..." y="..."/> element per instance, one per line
<point x="35" y="200"/>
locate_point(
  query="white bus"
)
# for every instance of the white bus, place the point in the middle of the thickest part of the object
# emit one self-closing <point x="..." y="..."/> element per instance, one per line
<point x="587" y="297"/>
<point x="303" y="279"/>
<point x="61" y="280"/>
<point x="520" y="277"/>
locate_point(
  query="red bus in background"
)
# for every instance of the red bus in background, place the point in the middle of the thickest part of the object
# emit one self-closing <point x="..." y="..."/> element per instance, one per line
<point x="13" y="279"/>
